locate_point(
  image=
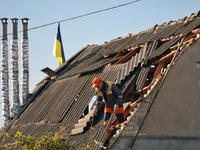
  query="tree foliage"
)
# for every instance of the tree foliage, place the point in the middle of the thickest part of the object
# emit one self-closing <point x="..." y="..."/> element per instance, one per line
<point x="51" y="141"/>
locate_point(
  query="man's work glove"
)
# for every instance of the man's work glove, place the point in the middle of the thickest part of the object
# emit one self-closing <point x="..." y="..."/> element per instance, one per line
<point x="116" y="106"/>
<point x="95" y="111"/>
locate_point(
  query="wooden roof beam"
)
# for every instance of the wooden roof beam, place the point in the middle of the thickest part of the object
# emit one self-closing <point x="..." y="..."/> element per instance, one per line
<point x="189" y="40"/>
<point x="119" y="54"/>
<point x="195" y="30"/>
<point x="170" y="38"/>
<point x="192" y="34"/>
<point x="165" y="58"/>
<point x="159" y="68"/>
<point x="127" y="56"/>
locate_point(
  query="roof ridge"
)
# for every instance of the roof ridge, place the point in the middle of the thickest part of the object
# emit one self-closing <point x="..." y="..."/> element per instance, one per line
<point x="156" y="26"/>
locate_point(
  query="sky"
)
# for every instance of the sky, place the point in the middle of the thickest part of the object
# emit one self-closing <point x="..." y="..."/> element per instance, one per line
<point x="92" y="29"/>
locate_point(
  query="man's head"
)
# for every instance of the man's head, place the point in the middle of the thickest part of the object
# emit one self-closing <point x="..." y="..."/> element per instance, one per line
<point x="98" y="83"/>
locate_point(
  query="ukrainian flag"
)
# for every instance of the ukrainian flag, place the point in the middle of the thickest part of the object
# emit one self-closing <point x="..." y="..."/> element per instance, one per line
<point x="58" y="51"/>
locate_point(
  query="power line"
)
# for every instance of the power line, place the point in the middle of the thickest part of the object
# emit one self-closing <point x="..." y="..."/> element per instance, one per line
<point x="80" y="16"/>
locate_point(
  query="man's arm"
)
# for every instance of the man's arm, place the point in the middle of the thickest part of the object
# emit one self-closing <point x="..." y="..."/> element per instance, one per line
<point x="119" y="94"/>
<point x="98" y="103"/>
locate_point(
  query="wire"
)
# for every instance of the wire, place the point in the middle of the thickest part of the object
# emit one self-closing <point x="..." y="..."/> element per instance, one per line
<point x="80" y="16"/>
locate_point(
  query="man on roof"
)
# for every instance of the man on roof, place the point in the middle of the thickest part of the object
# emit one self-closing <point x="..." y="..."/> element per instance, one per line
<point x="112" y="96"/>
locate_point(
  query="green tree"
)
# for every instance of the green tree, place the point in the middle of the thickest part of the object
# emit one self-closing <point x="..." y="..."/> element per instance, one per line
<point x="51" y="141"/>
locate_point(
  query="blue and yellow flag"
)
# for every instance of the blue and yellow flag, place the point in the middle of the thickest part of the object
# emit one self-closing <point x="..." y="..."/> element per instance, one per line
<point x="58" y="51"/>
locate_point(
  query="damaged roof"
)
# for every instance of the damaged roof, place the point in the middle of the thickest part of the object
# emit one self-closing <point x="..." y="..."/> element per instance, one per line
<point x="137" y="63"/>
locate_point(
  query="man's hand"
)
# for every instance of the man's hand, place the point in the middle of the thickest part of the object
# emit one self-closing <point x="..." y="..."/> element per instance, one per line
<point x="116" y="106"/>
<point x="95" y="112"/>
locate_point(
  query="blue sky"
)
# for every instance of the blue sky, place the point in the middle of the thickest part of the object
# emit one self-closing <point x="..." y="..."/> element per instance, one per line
<point x="93" y="29"/>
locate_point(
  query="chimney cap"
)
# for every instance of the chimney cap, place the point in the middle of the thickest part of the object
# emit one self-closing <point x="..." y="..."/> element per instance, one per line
<point x="4" y="20"/>
<point x="14" y="20"/>
<point x="25" y="20"/>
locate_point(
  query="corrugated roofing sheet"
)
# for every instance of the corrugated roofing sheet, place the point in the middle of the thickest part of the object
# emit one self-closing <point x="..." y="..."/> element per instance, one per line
<point x="192" y="24"/>
<point x="142" y="75"/>
<point x="163" y="48"/>
<point x="67" y="100"/>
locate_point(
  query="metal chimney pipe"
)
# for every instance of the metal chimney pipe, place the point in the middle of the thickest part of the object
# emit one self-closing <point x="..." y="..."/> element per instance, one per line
<point x="25" y="61"/>
<point x="15" y="68"/>
<point x="5" y="74"/>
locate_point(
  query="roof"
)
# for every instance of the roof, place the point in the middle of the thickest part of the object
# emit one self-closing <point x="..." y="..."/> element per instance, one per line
<point x="138" y="64"/>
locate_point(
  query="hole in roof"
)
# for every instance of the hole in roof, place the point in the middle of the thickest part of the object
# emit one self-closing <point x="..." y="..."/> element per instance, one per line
<point x="92" y="102"/>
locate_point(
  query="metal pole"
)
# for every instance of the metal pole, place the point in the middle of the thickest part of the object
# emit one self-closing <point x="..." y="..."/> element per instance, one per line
<point x="15" y="68"/>
<point x="5" y="74"/>
<point x="25" y="61"/>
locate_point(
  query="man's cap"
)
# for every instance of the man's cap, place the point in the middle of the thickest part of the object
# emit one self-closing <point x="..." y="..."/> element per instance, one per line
<point x="95" y="82"/>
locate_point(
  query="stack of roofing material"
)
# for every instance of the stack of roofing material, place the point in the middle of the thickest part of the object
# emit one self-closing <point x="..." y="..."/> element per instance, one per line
<point x="82" y="123"/>
<point x="97" y="133"/>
